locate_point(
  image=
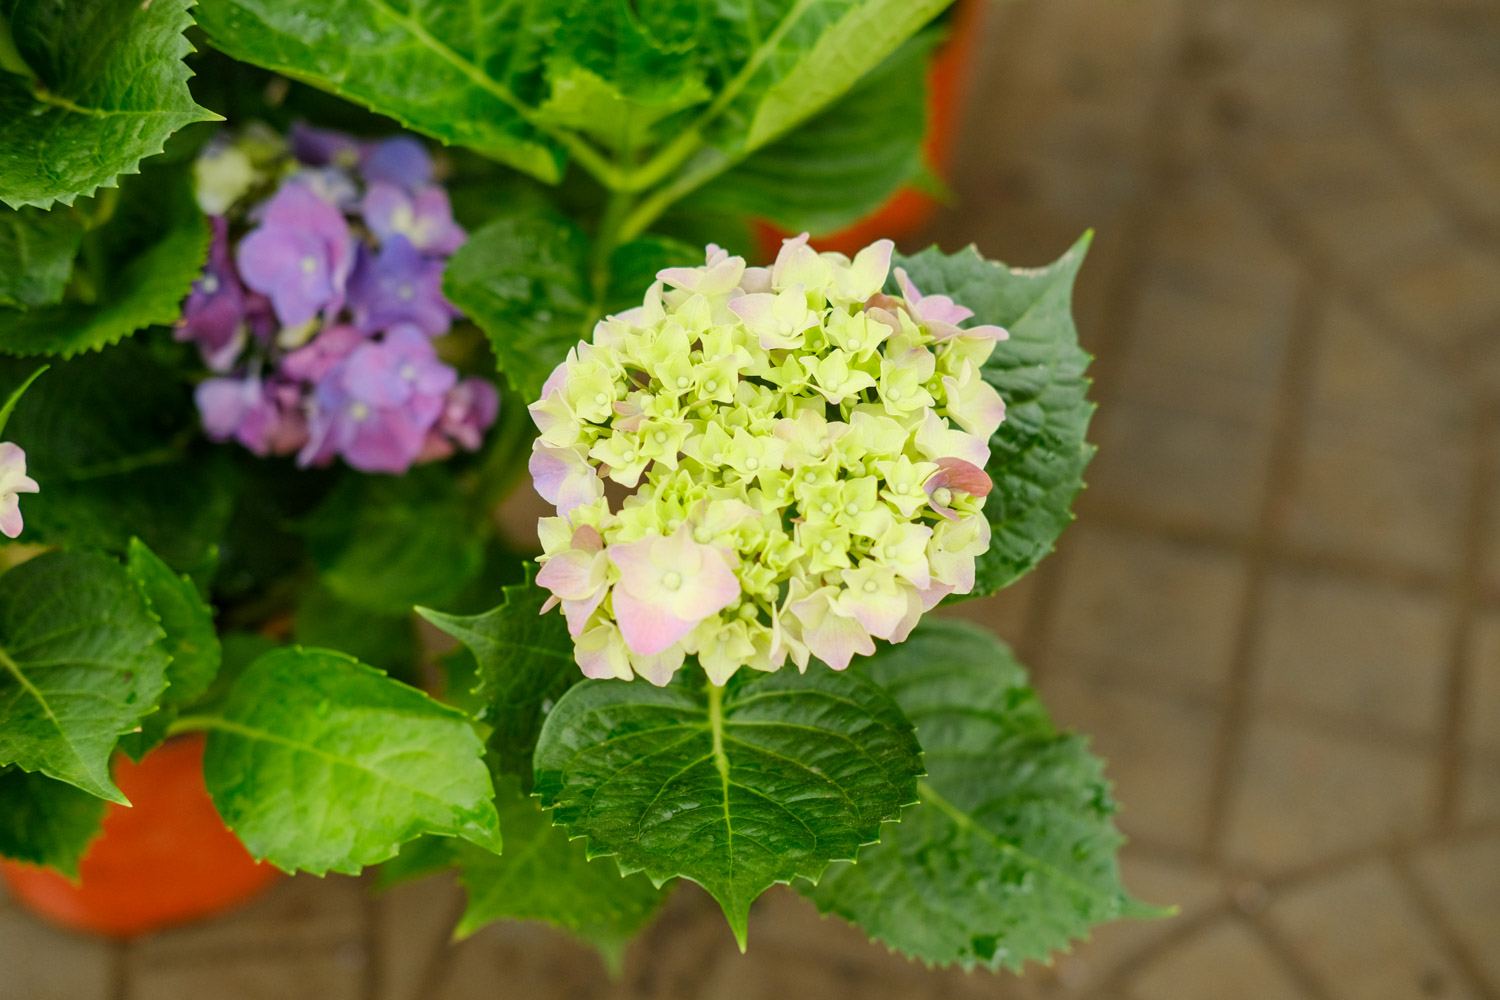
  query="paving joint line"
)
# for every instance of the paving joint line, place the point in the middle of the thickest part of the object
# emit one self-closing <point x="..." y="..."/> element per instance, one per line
<point x="1285" y="955"/>
<point x="1458" y="951"/>
<point x="1462" y="652"/>
<point x="1281" y="475"/>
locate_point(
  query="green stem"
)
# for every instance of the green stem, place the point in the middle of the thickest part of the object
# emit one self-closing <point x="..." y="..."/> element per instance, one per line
<point x="194" y="724"/>
<point x="709" y="165"/>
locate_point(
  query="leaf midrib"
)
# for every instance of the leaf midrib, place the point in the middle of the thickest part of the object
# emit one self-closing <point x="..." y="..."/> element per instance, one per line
<point x="35" y="692"/>
<point x="250" y="732"/>
<point x="966" y="822"/>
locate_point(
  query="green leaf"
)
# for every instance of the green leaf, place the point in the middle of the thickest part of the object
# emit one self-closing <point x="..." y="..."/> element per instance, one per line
<point x="522" y="279"/>
<point x="15" y="396"/>
<point x="457" y="62"/>
<point x="99" y="86"/>
<point x="1011" y="854"/>
<point x="39" y="248"/>
<point x="841" y="164"/>
<point x="46" y="822"/>
<point x="187" y="620"/>
<point x="735" y="788"/>
<point x="386" y="543"/>
<point x="190" y="641"/>
<point x="1038" y="455"/>
<point x="525" y="663"/>
<point x="582" y="100"/>
<point x="136" y="268"/>
<point x="80" y="665"/>
<point x="851" y="38"/>
<point x="544" y="876"/>
<point x="111" y="439"/>
<point x="321" y="763"/>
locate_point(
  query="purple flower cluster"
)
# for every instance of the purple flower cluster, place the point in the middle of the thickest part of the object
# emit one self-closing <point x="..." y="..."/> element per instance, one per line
<point x="318" y="320"/>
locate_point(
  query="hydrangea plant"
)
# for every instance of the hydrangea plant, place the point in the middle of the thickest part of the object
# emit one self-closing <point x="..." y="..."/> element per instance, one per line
<point x="299" y="356"/>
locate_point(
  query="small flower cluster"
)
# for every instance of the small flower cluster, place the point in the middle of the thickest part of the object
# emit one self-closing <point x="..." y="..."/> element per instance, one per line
<point x="319" y="319"/>
<point x="807" y="458"/>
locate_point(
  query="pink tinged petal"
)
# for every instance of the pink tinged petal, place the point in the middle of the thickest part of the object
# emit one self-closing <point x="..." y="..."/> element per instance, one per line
<point x="829" y="635"/>
<point x="648" y="628"/>
<point x="578" y="613"/>
<point x="712" y="589"/>
<point x="564" y="477"/>
<point x="932" y="308"/>
<point x="880" y="611"/>
<point x="13" y="478"/>
<point x="985" y="411"/>
<point x="914" y="611"/>
<point x="601" y="654"/>
<point x="556" y="380"/>
<point x="658" y="669"/>
<point x="637" y="571"/>
<point x="10" y="515"/>
<point x="931" y="595"/>
<point x="549" y="604"/>
<point x="957" y="474"/>
<point x="756" y="280"/>
<point x="570" y="575"/>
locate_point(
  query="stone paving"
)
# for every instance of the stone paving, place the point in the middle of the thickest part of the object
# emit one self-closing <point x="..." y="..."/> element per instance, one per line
<point x="1279" y="614"/>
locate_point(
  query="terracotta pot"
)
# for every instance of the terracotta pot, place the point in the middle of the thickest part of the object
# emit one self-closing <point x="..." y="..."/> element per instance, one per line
<point x="909" y="209"/>
<point x="167" y="860"/>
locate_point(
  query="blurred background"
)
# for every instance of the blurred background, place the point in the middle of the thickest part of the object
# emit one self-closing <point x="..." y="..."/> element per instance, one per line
<point x="1279" y="613"/>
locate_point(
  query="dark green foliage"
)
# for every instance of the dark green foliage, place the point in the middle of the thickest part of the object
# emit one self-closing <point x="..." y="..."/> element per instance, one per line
<point x="1011" y="854"/>
<point x="736" y="788"/>
<point x="1038" y="455"/>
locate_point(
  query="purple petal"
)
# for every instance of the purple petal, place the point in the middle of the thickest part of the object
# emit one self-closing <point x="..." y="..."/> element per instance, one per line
<point x="399" y="160"/>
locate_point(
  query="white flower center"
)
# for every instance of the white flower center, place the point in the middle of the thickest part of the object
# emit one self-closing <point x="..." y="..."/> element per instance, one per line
<point x="752" y="463"/>
<point x="210" y="282"/>
<point x="826" y="545"/>
<point x="942" y="496"/>
<point x="661" y="437"/>
<point x="359" y="411"/>
<point x="683" y="381"/>
<point x="671" y="579"/>
<point x="852" y="509"/>
<point x="827" y="507"/>
<point x="630" y="454"/>
<point x="600" y="398"/>
<point x="309" y="264"/>
<point x="701" y="535"/>
<point x="809" y="477"/>
<point x="407" y="293"/>
<point x="711" y="385"/>
<point x="409" y="372"/>
<point x="894" y="395"/>
<point x="871" y="586"/>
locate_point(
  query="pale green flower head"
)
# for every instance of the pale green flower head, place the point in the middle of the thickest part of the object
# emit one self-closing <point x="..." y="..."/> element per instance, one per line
<point x="805" y="459"/>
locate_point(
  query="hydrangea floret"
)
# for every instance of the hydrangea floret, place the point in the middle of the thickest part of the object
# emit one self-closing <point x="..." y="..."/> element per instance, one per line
<point x="797" y="461"/>
<point x="13" y="482"/>
<point x="318" y="320"/>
